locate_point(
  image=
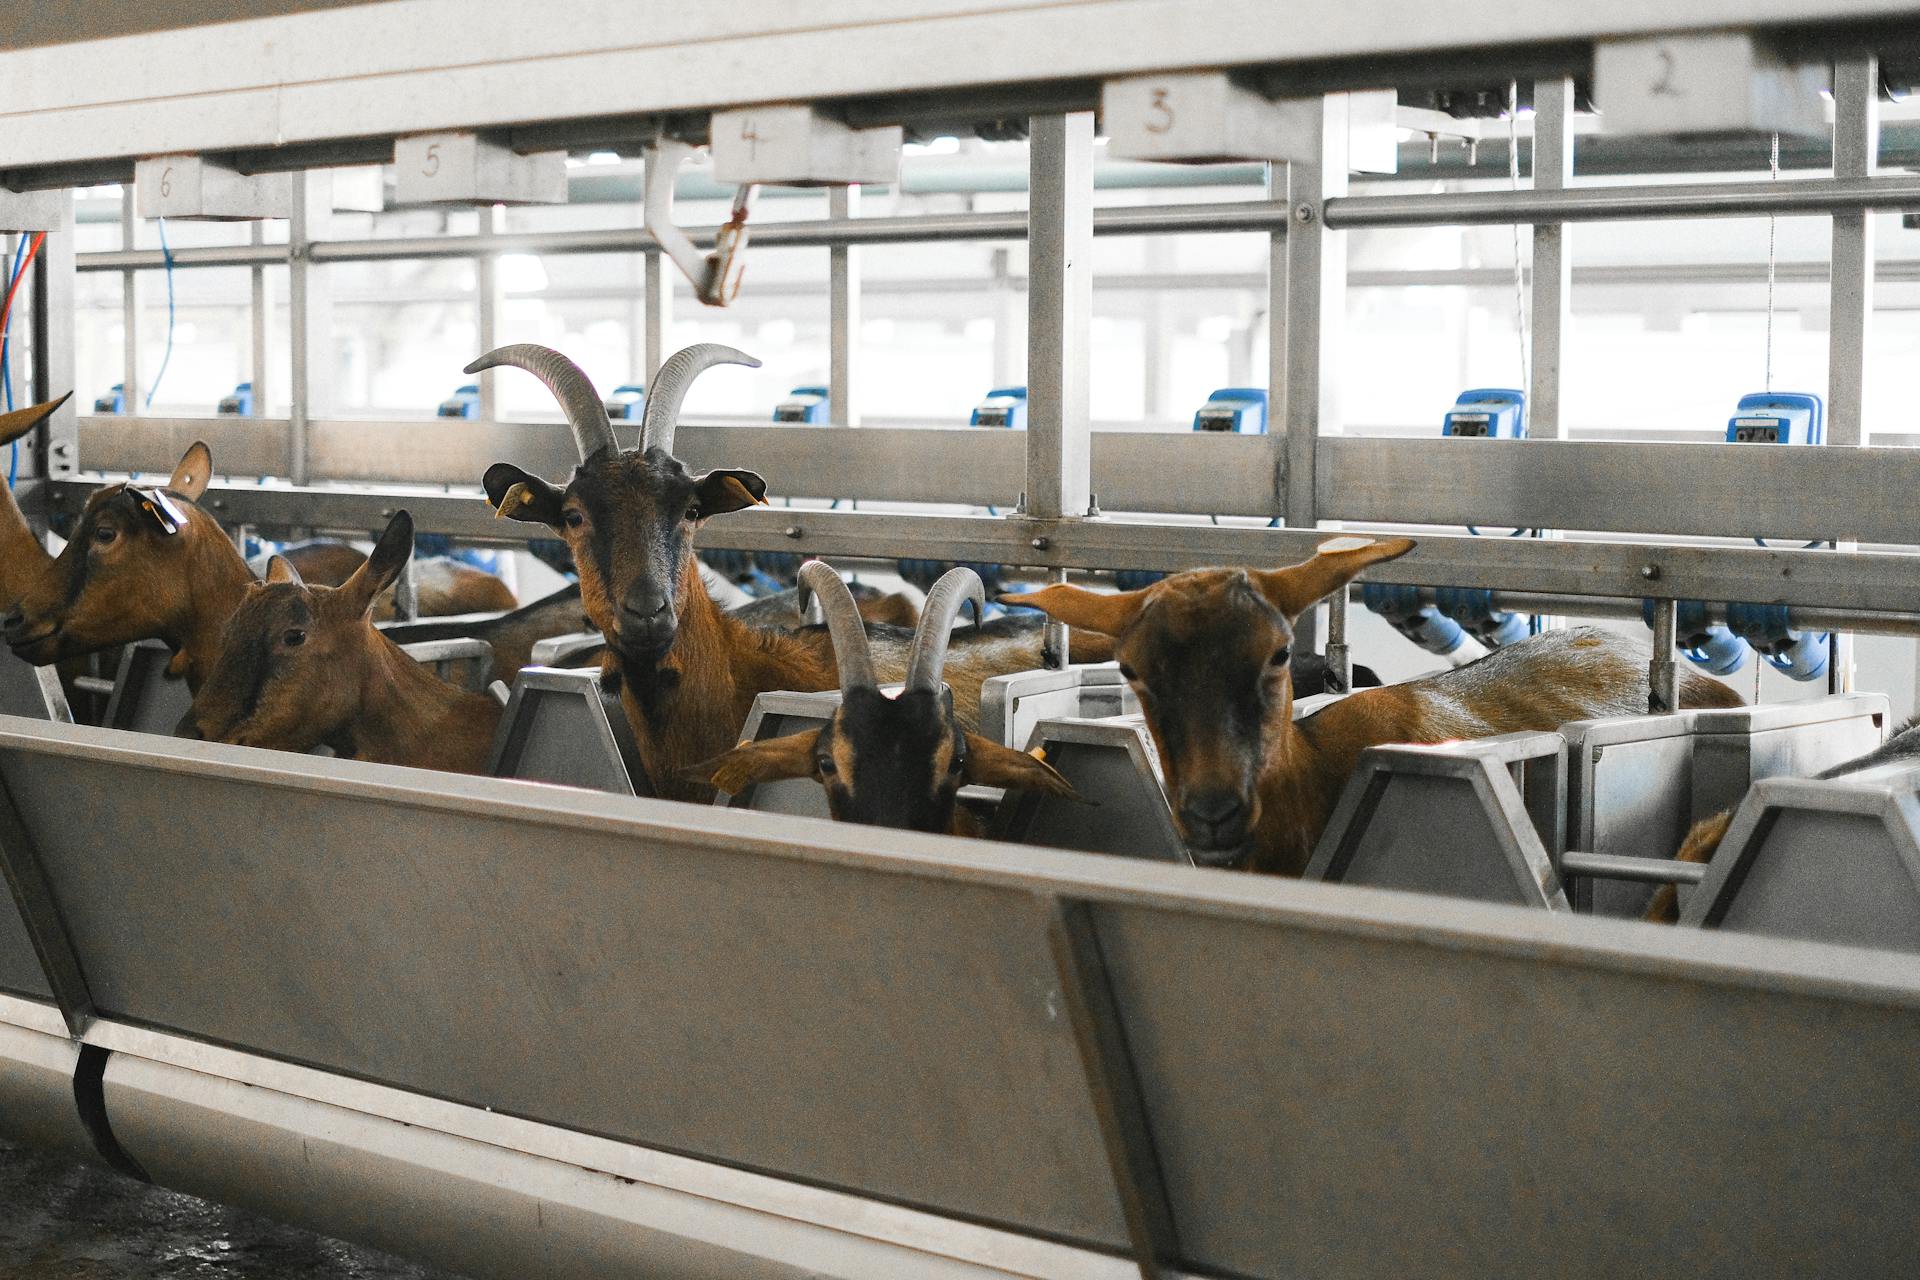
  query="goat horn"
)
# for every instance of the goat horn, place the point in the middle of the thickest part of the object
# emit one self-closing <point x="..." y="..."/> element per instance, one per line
<point x="586" y="412"/>
<point x="929" y="657"/>
<point x="669" y="387"/>
<point x="844" y="623"/>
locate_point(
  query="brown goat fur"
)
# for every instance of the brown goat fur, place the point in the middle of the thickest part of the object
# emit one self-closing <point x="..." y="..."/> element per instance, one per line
<point x="687" y="671"/>
<point x="443" y="587"/>
<point x="304" y="666"/>
<point x="1208" y="651"/>
<point x="22" y="559"/>
<point x="122" y="577"/>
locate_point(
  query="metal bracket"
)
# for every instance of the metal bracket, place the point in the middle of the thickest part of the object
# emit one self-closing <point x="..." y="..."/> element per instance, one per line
<point x="715" y="276"/>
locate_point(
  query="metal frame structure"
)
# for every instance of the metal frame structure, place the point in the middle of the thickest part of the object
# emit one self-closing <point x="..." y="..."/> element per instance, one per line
<point x="1052" y="1064"/>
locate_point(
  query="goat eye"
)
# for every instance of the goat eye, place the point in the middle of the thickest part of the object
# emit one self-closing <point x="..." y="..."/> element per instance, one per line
<point x="1281" y="657"/>
<point x="104" y="535"/>
<point x="573" y="519"/>
<point x="693" y="513"/>
<point x="826" y="766"/>
<point x="293" y="637"/>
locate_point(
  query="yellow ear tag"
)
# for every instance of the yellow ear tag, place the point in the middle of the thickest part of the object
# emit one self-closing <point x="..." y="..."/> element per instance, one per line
<point x="733" y="484"/>
<point x="1039" y="753"/>
<point x="512" y="500"/>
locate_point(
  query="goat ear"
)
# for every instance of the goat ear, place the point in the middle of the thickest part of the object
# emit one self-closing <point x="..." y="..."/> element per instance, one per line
<point x="765" y="761"/>
<point x="1109" y="614"/>
<point x="516" y="495"/>
<point x="195" y="472"/>
<point x="20" y="421"/>
<point x="991" y="765"/>
<point x="1338" y="561"/>
<point x="280" y="569"/>
<point x="719" y="492"/>
<point x="390" y="556"/>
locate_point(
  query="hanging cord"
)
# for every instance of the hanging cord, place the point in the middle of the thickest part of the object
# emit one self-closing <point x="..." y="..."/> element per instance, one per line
<point x="23" y="257"/>
<point x="1773" y="172"/>
<point x="1519" y="271"/>
<point x="166" y="256"/>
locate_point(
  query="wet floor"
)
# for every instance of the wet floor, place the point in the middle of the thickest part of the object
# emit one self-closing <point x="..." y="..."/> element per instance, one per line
<point x="65" y="1221"/>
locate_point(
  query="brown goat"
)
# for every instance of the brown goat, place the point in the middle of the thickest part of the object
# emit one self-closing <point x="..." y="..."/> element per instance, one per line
<point x="687" y="671"/>
<point x="889" y="762"/>
<point x="443" y="586"/>
<point x="22" y="558"/>
<point x="141" y="563"/>
<point x="1208" y="651"/>
<point x="304" y="666"/>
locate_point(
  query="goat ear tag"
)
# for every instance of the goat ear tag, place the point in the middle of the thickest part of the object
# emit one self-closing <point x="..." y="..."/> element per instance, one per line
<point x="741" y="491"/>
<point x="511" y="501"/>
<point x="159" y="508"/>
<point x="1334" y="546"/>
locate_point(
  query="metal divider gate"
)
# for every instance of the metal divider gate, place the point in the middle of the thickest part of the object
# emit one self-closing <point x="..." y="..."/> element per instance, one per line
<point x="1231" y="1074"/>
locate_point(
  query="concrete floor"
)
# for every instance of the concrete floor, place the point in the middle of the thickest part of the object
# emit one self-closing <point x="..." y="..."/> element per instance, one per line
<point x="64" y="1221"/>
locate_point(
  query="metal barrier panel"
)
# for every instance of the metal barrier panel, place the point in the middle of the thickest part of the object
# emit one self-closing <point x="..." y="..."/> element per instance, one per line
<point x="31" y="691"/>
<point x="20" y="971"/>
<point x="145" y="699"/>
<point x="1425" y="1104"/>
<point x="1011" y="705"/>
<point x="37" y="1063"/>
<point x="629" y="968"/>
<point x="1112" y="763"/>
<point x="558" y="727"/>
<point x="775" y="715"/>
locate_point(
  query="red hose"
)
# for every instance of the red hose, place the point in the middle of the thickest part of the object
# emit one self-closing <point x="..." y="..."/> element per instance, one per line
<point x="6" y="308"/>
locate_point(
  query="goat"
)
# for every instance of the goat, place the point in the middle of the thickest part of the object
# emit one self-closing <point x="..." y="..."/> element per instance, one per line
<point x="1208" y="651"/>
<point x="304" y="666"/>
<point x="1703" y="839"/>
<point x="686" y="671"/>
<point x="889" y="762"/>
<point x="141" y="563"/>
<point x="443" y="586"/>
<point x="22" y="558"/>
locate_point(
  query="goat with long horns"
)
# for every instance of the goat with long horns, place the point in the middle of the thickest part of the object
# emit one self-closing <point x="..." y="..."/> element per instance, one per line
<point x="889" y="761"/>
<point x="686" y="671"/>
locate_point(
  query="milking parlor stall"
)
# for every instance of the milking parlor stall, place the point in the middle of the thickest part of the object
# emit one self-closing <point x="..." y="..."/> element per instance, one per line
<point x="1137" y="637"/>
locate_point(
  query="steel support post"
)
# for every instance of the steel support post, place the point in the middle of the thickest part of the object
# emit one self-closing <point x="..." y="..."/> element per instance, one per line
<point x="658" y="287"/>
<point x="309" y="336"/>
<point x="1339" y="655"/>
<point x="843" y="297"/>
<point x="1552" y="265"/>
<point x="262" y="314"/>
<point x="129" y="310"/>
<point x="1856" y="143"/>
<point x="1059" y="308"/>
<point x="487" y="301"/>
<point x="54" y="319"/>
<point x="1114" y="1086"/>
<point x="1663" y="677"/>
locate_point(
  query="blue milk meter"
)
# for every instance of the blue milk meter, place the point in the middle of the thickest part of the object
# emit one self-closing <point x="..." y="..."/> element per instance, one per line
<point x="1003" y="407"/>
<point x="1488" y="413"/>
<point x="627" y="402"/>
<point x="1237" y="410"/>
<point x="463" y="403"/>
<point x="804" y="405"/>
<point x="1778" y="417"/>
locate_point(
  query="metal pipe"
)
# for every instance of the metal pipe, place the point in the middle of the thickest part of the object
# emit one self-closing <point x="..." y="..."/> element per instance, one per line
<point x="1254" y="215"/>
<point x="1803" y="196"/>
<point x="1663" y="674"/>
<point x="1610" y="866"/>
<point x="1892" y="622"/>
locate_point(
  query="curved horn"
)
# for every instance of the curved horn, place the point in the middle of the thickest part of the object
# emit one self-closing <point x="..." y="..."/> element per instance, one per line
<point x="843" y="623"/>
<point x="586" y="412"/>
<point x="669" y="387"/>
<point x="929" y="657"/>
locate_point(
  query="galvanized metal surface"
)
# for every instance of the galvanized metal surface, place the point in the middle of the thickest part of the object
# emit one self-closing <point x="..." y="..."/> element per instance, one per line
<point x="653" y="945"/>
<point x="560" y="727"/>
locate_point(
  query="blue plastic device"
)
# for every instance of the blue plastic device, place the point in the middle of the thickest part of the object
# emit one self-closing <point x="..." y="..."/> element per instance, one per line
<point x="627" y="402"/>
<point x="239" y="404"/>
<point x="803" y="405"/>
<point x="1490" y="413"/>
<point x="1778" y="417"/>
<point x="463" y="403"/>
<point x="1425" y="625"/>
<point x="1237" y="410"/>
<point x="1003" y="407"/>
<point x="115" y="401"/>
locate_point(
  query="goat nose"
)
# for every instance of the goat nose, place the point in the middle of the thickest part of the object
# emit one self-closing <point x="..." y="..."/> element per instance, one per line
<point x="1215" y="821"/>
<point x="645" y="603"/>
<point x="14" y="624"/>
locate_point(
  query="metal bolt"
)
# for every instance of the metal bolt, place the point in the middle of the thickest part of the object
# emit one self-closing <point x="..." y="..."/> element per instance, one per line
<point x="386" y="513"/>
<point x="793" y="531"/>
<point x="1650" y="571"/>
<point x="1303" y="212"/>
<point x="1039" y="544"/>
